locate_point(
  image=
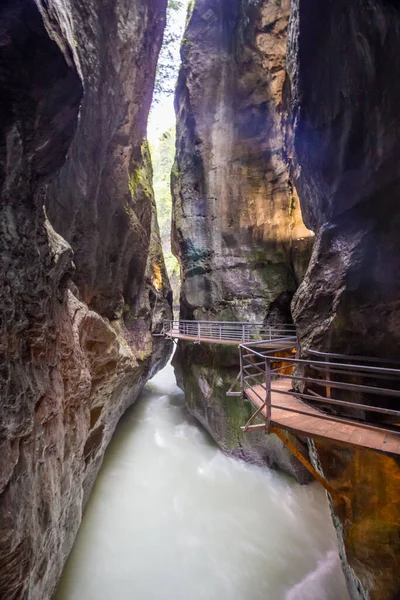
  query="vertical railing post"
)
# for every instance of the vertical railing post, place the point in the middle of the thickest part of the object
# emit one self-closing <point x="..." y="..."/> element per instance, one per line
<point x="327" y="378"/>
<point x="220" y="331"/>
<point x="198" y="331"/>
<point x="270" y="333"/>
<point x="268" y="395"/>
<point x="243" y="338"/>
<point x="241" y="370"/>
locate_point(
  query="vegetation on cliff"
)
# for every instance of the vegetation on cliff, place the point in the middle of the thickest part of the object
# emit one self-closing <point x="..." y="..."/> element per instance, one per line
<point x="163" y="152"/>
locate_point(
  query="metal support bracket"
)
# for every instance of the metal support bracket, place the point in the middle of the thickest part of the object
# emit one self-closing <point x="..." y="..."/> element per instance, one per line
<point x="306" y="463"/>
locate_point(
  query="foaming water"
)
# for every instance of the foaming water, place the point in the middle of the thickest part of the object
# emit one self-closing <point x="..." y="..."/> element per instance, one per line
<point x="172" y="518"/>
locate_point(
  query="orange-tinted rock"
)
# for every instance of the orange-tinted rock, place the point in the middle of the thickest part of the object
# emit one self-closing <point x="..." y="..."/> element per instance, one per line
<point x="369" y="527"/>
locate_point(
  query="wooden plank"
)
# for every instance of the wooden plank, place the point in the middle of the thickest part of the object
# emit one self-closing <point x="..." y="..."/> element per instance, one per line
<point x="361" y="437"/>
<point x="367" y="438"/>
<point x="300" y="408"/>
<point x="282" y="384"/>
<point x="235" y="342"/>
<point x="342" y="432"/>
<point x="289" y="399"/>
<point x="292" y="423"/>
<point x="358" y="437"/>
<point x="391" y="444"/>
<point x="194" y="338"/>
<point x="301" y="424"/>
<point x="321" y="427"/>
<point x="255" y="400"/>
<point x="373" y="439"/>
<point x="309" y="429"/>
<point x="313" y="425"/>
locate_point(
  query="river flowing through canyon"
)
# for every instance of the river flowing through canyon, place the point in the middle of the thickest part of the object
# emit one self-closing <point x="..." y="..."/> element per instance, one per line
<point x="172" y="518"/>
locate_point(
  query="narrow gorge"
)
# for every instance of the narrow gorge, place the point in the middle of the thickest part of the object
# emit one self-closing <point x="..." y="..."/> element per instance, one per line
<point x="284" y="192"/>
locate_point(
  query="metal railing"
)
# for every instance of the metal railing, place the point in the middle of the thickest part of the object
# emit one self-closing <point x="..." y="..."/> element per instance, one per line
<point x="342" y="388"/>
<point x="229" y="331"/>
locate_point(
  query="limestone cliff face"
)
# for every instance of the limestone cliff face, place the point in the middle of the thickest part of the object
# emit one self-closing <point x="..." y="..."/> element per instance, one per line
<point x="237" y="225"/>
<point x="101" y="201"/>
<point x="75" y="77"/>
<point x="343" y="61"/>
<point x="346" y="170"/>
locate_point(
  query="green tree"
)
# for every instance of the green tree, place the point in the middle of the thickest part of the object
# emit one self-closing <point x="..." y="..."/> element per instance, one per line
<point x="163" y="154"/>
<point x="169" y="59"/>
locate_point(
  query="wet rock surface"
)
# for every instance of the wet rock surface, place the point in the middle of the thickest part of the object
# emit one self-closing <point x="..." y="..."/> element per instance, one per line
<point x="237" y="226"/>
<point x="345" y="165"/>
<point x="101" y="201"/>
<point x="68" y="371"/>
<point x="346" y="170"/>
<point x="212" y="371"/>
<point x="368" y="527"/>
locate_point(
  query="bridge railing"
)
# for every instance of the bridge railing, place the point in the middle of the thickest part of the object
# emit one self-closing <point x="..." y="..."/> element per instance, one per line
<point x="230" y="331"/>
<point x="345" y="388"/>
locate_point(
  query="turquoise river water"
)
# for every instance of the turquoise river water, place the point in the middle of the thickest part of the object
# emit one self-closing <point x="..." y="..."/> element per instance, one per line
<point x="172" y="518"/>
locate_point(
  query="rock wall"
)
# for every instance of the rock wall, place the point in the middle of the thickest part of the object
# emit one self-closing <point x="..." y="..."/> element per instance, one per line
<point x="76" y="316"/>
<point x="262" y="121"/>
<point x="237" y="226"/>
<point x="101" y="202"/>
<point x="343" y="61"/>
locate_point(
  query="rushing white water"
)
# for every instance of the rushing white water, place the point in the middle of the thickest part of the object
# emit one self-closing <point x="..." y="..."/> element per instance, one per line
<point x="172" y="518"/>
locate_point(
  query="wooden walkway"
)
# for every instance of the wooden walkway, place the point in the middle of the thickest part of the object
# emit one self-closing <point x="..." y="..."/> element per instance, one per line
<point x="311" y="425"/>
<point x="274" y="344"/>
<point x="230" y="332"/>
<point x="260" y="371"/>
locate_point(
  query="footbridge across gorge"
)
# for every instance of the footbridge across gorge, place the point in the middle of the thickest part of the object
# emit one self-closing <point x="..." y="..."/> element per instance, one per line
<point x="352" y="400"/>
<point x="230" y="332"/>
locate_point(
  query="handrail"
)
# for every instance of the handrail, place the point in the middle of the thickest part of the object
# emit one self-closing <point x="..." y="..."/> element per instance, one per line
<point x="284" y="326"/>
<point x="228" y="331"/>
<point x="343" y="376"/>
<point x="249" y="346"/>
<point x="324" y="364"/>
<point x="354" y="357"/>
